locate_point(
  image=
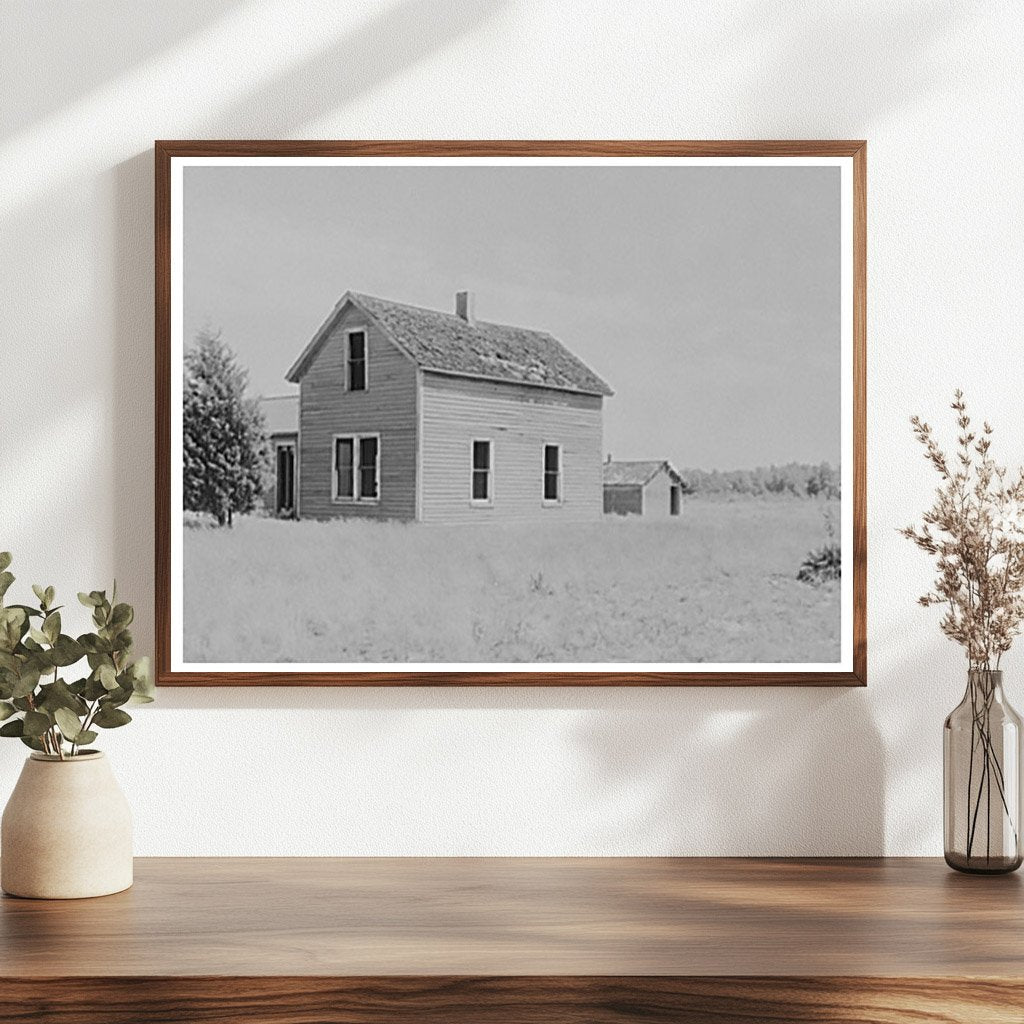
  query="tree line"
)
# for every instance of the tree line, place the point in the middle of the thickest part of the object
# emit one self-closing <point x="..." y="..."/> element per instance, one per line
<point x="796" y="479"/>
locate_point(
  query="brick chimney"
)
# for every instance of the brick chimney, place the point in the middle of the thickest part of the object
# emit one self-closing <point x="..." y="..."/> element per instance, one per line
<point x="464" y="306"/>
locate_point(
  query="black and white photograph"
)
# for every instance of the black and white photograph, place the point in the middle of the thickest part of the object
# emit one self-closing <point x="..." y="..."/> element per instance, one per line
<point x="511" y="415"/>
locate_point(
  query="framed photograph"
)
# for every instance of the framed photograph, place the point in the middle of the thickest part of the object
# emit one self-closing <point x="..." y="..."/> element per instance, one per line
<point x="492" y="413"/>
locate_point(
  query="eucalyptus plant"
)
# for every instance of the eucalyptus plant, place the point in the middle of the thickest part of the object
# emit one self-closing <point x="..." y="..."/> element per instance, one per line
<point x="37" y="704"/>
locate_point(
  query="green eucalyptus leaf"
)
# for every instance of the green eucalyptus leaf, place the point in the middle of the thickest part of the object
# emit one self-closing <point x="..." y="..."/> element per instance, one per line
<point x="5" y="559"/>
<point x="13" y="625"/>
<point x="36" y="723"/>
<point x="68" y="722"/>
<point x="122" y="616"/>
<point x="40" y="593"/>
<point x="97" y="646"/>
<point x="66" y="651"/>
<point x="9" y="663"/>
<point x="142" y="681"/>
<point x="31" y="741"/>
<point x="22" y="703"/>
<point x="86" y="736"/>
<point x="6" y="710"/>
<point x="94" y="689"/>
<point x="59" y="695"/>
<point x="27" y="681"/>
<point x="38" y="635"/>
<point x="6" y="579"/>
<point x="89" y="600"/>
<point x="115" y="698"/>
<point x="110" y="717"/>
<point x="16" y="727"/>
<point x="107" y="676"/>
<point x="51" y="626"/>
<point x="29" y="611"/>
<point x="49" y="594"/>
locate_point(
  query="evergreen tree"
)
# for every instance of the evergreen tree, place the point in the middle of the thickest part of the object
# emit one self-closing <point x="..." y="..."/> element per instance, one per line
<point x="223" y="433"/>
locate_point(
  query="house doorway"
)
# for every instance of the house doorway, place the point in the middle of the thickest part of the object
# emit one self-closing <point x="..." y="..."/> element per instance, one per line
<point x="674" y="500"/>
<point x="284" y="502"/>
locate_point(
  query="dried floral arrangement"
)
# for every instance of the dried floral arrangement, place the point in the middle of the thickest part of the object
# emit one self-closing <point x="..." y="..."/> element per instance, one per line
<point x="47" y="713"/>
<point x="975" y="530"/>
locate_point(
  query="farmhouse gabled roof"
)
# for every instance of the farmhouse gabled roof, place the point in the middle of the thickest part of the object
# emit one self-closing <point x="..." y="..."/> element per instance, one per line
<point x="446" y="343"/>
<point x="637" y="474"/>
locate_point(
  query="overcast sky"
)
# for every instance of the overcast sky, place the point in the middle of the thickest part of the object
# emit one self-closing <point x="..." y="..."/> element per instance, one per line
<point x="708" y="298"/>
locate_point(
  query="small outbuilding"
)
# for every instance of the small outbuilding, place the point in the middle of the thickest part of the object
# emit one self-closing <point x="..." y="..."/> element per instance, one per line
<point x="652" y="489"/>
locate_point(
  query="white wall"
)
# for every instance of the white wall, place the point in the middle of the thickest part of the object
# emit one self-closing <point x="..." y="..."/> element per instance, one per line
<point x="937" y="89"/>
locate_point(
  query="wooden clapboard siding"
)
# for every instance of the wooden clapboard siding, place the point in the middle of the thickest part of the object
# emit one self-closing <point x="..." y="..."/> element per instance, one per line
<point x="656" y="496"/>
<point x="624" y="499"/>
<point x="387" y="407"/>
<point x="519" y="420"/>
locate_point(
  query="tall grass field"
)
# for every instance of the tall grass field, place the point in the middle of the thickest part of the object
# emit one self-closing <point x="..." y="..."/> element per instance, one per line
<point x="716" y="585"/>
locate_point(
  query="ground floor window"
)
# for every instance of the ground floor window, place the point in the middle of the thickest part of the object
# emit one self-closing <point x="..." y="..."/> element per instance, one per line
<point x="357" y="467"/>
<point x="552" y="474"/>
<point x="480" y="473"/>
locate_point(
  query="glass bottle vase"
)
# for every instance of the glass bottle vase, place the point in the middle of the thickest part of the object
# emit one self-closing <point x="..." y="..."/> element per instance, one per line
<point x="981" y="771"/>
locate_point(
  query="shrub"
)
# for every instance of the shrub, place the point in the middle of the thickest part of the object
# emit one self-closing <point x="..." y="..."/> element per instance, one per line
<point x="821" y="565"/>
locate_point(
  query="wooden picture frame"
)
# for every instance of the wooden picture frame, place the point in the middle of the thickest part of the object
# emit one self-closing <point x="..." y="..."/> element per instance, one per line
<point x="849" y="670"/>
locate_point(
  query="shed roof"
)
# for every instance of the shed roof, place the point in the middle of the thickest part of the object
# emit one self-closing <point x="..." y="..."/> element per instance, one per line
<point x="445" y="343"/>
<point x="637" y="474"/>
<point x="280" y="413"/>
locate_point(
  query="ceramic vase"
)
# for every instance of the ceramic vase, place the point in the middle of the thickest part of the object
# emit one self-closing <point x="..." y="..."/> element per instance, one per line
<point x="66" y="831"/>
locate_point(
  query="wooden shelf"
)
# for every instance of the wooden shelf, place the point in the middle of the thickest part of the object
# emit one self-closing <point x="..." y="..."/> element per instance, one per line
<point x="283" y="941"/>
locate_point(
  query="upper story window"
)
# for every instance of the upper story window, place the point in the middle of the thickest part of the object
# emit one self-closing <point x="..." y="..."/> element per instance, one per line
<point x="480" y="474"/>
<point x="552" y="474"/>
<point x="356" y="360"/>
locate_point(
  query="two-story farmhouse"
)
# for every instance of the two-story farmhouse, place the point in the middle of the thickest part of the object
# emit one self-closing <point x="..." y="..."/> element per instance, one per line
<point x="410" y="413"/>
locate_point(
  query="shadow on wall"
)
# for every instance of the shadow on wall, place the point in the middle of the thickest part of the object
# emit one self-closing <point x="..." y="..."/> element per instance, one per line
<point x="736" y="772"/>
<point x="393" y="40"/>
<point x="87" y="29"/>
<point x="692" y="771"/>
<point x="837" y="59"/>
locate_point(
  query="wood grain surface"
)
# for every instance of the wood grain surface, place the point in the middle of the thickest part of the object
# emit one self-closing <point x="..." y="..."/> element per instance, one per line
<point x="502" y="940"/>
<point x="503" y="916"/>
<point x="166" y="150"/>
<point x="512" y="1000"/>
